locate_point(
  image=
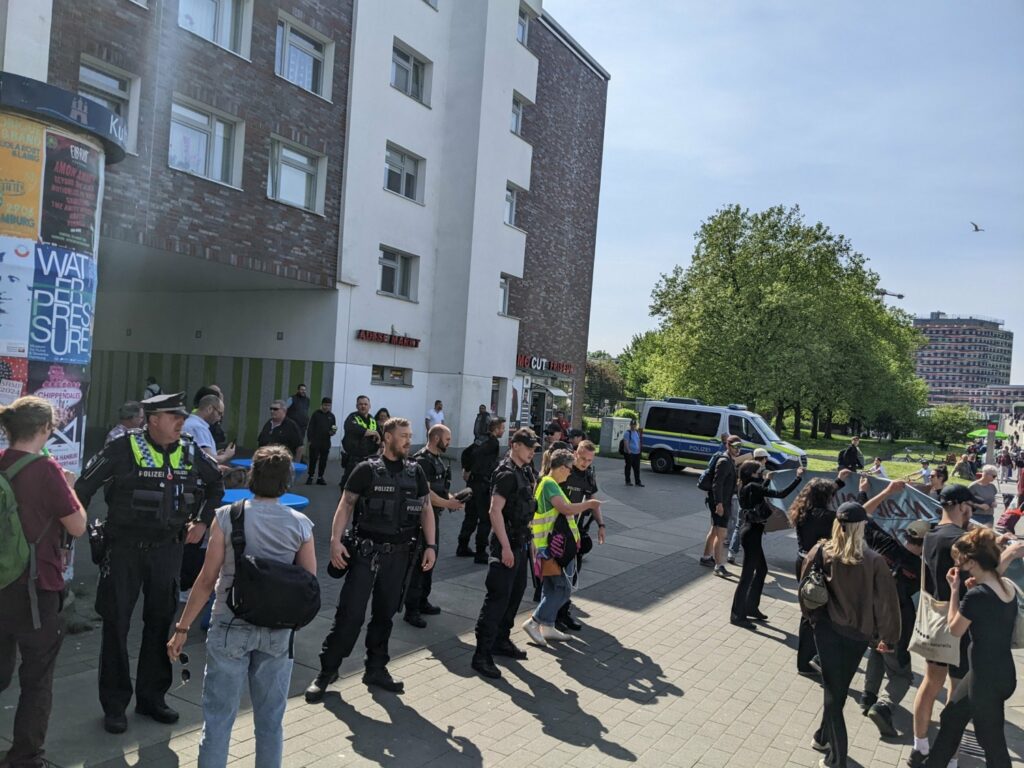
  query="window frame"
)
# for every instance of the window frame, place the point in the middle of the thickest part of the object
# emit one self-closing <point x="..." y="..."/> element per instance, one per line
<point x="516" y="123"/>
<point x="511" y="204"/>
<point x="405" y="266"/>
<point x="503" y="295"/>
<point x="235" y="150"/>
<point x="403" y="170"/>
<point x="523" y="26"/>
<point x="241" y="23"/>
<point x="326" y="55"/>
<point x="318" y="168"/>
<point x="415" y="60"/>
<point x="131" y="97"/>
<point x="382" y="379"/>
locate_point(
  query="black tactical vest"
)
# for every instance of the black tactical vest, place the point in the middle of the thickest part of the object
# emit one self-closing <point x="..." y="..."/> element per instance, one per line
<point x="519" y="509"/>
<point x="440" y="476"/>
<point x="391" y="508"/>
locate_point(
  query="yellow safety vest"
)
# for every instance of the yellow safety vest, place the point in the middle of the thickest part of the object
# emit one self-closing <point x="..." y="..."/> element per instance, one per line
<point x="147" y="458"/>
<point x="544" y="519"/>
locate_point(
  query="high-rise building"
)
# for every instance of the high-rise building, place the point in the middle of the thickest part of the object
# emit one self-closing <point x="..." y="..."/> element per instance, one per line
<point x="962" y="352"/>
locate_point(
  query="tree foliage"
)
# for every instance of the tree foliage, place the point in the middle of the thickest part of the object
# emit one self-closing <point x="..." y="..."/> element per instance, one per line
<point x="948" y="423"/>
<point x="602" y="381"/>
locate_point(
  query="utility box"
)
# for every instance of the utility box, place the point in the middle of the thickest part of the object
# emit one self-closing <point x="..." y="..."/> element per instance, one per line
<point x="612" y="430"/>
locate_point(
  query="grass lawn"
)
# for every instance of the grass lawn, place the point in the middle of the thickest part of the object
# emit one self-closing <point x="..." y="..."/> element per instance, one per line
<point x="896" y="470"/>
<point x="829" y="448"/>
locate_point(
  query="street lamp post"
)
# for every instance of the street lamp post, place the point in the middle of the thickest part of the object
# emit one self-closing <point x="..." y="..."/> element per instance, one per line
<point x="884" y="292"/>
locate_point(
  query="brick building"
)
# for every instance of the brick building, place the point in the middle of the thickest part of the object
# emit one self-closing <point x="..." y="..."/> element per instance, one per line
<point x="962" y="353"/>
<point x="559" y="214"/>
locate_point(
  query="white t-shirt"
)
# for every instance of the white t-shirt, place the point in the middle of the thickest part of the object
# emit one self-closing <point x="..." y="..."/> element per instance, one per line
<point x="435" y="417"/>
<point x="197" y="427"/>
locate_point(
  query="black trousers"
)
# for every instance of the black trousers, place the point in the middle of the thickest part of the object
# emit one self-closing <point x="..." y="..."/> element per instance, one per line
<point x="505" y="588"/>
<point x="478" y="516"/>
<point x="633" y="463"/>
<point x="748" y="592"/>
<point x="317" y="459"/>
<point x="840" y="656"/>
<point x="983" y="702"/>
<point x="420" y="581"/>
<point x="38" y="649"/>
<point x="153" y="569"/>
<point x="805" y="649"/>
<point x="363" y="579"/>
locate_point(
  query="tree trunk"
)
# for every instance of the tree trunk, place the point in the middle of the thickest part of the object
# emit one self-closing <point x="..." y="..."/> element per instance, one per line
<point x="780" y="416"/>
<point x="797" y="417"/>
<point x="815" y="415"/>
<point x="828" y="425"/>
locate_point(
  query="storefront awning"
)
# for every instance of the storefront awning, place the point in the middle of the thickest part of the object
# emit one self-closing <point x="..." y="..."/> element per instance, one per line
<point x="554" y="390"/>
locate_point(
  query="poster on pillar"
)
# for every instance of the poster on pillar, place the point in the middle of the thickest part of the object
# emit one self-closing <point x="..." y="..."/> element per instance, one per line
<point x="65" y="388"/>
<point x="13" y="378"/>
<point x="21" y="147"/>
<point x="17" y="272"/>
<point x="63" y="298"/>
<point x="71" y="182"/>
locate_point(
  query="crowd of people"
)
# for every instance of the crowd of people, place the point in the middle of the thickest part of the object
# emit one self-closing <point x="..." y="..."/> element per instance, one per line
<point x="163" y="472"/>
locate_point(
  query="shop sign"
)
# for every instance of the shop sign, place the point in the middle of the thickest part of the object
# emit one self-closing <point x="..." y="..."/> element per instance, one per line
<point x="387" y="338"/>
<point x="543" y="364"/>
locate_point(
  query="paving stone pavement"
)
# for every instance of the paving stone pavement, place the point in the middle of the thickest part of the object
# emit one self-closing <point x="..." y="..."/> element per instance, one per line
<point x="658" y="676"/>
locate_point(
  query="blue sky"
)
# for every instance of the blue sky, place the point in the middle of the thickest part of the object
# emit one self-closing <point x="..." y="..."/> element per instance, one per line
<point x="893" y="123"/>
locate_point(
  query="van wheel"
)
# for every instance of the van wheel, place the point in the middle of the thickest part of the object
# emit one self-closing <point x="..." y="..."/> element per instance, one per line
<point x="661" y="462"/>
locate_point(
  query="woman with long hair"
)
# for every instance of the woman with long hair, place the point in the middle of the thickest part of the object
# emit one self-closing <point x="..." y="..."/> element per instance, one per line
<point x="987" y="613"/>
<point x="862" y="607"/>
<point x="812" y="515"/>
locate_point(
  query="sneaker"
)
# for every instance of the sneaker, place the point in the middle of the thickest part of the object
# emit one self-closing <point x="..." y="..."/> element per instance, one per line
<point x="508" y="649"/>
<point x="867" y="701"/>
<point x="485" y="666"/>
<point x="720" y="570"/>
<point x="708" y="561"/>
<point x="731" y="559"/>
<point x="567" y="622"/>
<point x="815" y="663"/>
<point x="757" y="616"/>
<point x="639" y="484"/>
<point x="917" y="760"/>
<point x="321" y="481"/>
<point x="532" y="628"/>
<point x="882" y="718"/>
<point x="381" y="678"/>
<point x="818" y="746"/>
<point x="552" y="633"/>
<point x="741" y="621"/>
<point x="316" y="689"/>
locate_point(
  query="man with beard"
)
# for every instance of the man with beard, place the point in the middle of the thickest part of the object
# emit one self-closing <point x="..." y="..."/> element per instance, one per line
<point x="438" y="472"/>
<point x="387" y="501"/>
<point x="359" y="437"/>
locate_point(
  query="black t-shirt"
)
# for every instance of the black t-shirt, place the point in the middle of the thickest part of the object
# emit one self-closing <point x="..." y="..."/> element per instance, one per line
<point x="580" y="485"/>
<point x="485" y="458"/>
<point x="505" y="483"/>
<point x="287" y="433"/>
<point x="938" y="559"/>
<point x="361" y="479"/>
<point x="436" y="470"/>
<point x="991" y="629"/>
<point x="816" y="525"/>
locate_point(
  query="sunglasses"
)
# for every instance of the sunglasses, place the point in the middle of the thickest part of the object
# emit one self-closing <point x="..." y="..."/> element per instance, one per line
<point x="186" y="675"/>
<point x="275" y="409"/>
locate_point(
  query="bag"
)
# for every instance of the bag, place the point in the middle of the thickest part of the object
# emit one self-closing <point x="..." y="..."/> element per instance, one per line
<point x="706" y="481"/>
<point x="932" y="638"/>
<point x="466" y="458"/>
<point x="1017" y="638"/>
<point x="622" y="446"/>
<point x="813" y="591"/>
<point x="16" y="552"/>
<point x="269" y="593"/>
<point x="561" y="543"/>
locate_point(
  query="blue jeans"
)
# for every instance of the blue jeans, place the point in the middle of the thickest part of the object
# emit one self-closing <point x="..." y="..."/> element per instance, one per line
<point x="554" y="593"/>
<point x="234" y="654"/>
<point x="733" y="534"/>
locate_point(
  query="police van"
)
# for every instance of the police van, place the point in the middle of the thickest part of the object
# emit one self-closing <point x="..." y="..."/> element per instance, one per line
<point x="680" y="432"/>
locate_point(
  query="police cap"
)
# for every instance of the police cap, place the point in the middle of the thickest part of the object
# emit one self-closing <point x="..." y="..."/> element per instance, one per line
<point x="174" y="403"/>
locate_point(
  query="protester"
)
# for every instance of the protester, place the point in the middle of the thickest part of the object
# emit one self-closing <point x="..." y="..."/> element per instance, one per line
<point x="238" y="652"/>
<point x="720" y="499"/>
<point x="322" y="427"/>
<point x="877" y="469"/>
<point x="129" y="416"/>
<point x="851" y="458"/>
<point x="556" y="540"/>
<point x="985" y="491"/>
<point x="755" y="489"/>
<point x="481" y="422"/>
<point x="938" y="481"/>
<point x="812" y="515"/>
<point x="862" y="605"/>
<point x="631" y="443"/>
<point x="580" y="486"/>
<point x="280" y="430"/>
<point x="298" y="411"/>
<point x="986" y="613"/>
<point x="30" y="604"/>
<point x="381" y="417"/>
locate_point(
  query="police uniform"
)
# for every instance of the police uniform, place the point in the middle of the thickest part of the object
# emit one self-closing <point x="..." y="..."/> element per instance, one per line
<point x="505" y="586"/>
<point x="580" y="485"/>
<point x="485" y="459"/>
<point x="153" y="492"/>
<point x="438" y="472"/>
<point x="382" y="543"/>
<point x="356" y="446"/>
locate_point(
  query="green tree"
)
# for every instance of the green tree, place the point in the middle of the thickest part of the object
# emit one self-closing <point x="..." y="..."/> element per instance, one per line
<point x="636" y="363"/>
<point x="946" y="423"/>
<point x="602" y="381"/>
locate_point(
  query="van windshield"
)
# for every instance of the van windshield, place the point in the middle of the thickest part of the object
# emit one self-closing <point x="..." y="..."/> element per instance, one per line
<point x="767" y="431"/>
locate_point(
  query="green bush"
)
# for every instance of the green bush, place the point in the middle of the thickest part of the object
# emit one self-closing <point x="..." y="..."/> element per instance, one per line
<point x="594" y="433"/>
<point x="626" y="413"/>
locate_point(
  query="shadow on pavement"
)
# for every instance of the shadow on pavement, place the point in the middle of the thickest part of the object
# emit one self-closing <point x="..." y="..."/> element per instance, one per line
<point x="159" y="755"/>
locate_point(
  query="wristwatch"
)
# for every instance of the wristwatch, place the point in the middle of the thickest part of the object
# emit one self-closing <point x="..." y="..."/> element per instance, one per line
<point x="433" y="547"/>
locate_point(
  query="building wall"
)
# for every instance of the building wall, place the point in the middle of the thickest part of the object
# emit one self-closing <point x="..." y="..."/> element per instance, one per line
<point x="565" y="127"/>
<point x="963" y="352"/>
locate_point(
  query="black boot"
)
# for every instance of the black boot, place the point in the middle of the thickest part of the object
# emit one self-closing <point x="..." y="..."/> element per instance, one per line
<point x="509" y="649"/>
<point x="428" y="609"/>
<point x="316" y="689"/>
<point x="485" y="666"/>
<point x="159" y="712"/>
<point x="414" y="618"/>
<point x="381" y="678"/>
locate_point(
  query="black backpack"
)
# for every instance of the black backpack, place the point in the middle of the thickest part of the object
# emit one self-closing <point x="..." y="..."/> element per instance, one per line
<point x="269" y="593"/>
<point x="706" y="481"/>
<point x="466" y="459"/>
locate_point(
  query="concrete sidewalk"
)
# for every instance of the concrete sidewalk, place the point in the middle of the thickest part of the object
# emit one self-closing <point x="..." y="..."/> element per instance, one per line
<point x="658" y="675"/>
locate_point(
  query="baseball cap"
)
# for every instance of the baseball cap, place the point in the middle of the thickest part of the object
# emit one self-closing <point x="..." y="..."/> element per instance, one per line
<point x="525" y="436"/>
<point x="577" y="433"/>
<point x="955" y="494"/>
<point x="760" y="453"/>
<point x="851" y="512"/>
<point x="918" y="529"/>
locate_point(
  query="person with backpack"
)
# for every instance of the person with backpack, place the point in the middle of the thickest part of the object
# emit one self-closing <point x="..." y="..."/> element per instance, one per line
<point x="37" y="507"/>
<point x="719" y="501"/>
<point x="632" y="447"/>
<point x="237" y="651"/>
<point x="479" y="461"/>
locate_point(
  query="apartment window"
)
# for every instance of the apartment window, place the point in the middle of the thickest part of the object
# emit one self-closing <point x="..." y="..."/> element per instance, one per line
<point x="510" y="205"/>
<point x="408" y="73"/>
<point x="517" y="116"/>
<point x="219" y="21"/>
<point x="503" y="296"/>
<point x="302" y="57"/>
<point x="396" y="273"/>
<point x="295" y="176"/>
<point x="523" y="26"/>
<point x="203" y="143"/>
<point x="391" y="375"/>
<point x="114" y="89"/>
<point x="401" y="173"/>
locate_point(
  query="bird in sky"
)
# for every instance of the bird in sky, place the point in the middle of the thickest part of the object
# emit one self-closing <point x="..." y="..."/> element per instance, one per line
<point x="976" y="227"/>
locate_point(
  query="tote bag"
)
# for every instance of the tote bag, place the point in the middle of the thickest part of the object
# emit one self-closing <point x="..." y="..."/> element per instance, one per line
<point x="932" y="638"/>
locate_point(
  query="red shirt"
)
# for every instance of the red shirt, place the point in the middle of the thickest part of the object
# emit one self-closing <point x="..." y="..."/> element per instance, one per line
<point x="43" y="495"/>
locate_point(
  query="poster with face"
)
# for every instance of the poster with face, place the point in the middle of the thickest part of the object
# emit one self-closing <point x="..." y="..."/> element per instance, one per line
<point x="65" y="388"/>
<point x="17" y="271"/>
<point x="63" y="298"/>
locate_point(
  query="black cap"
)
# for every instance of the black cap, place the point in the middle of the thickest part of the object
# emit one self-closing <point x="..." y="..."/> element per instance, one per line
<point x="955" y="494"/>
<point x="577" y="433"/>
<point x="524" y="436"/>
<point x="851" y="512"/>
<point x="166" y="404"/>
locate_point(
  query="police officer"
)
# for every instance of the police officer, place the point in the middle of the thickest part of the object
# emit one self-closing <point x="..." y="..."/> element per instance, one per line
<point x="359" y="437"/>
<point x="438" y="472"/>
<point x="485" y="458"/>
<point x="511" y="510"/>
<point x="161" y="491"/>
<point x="580" y="485"/>
<point x="390" y="499"/>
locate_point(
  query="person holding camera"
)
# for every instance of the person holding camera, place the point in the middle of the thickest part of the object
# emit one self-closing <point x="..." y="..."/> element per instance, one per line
<point x="755" y="488"/>
<point x="238" y="652"/>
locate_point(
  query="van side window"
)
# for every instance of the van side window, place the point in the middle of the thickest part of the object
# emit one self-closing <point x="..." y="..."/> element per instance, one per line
<point x="701" y="423"/>
<point x="659" y="419"/>
<point x="742" y="427"/>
